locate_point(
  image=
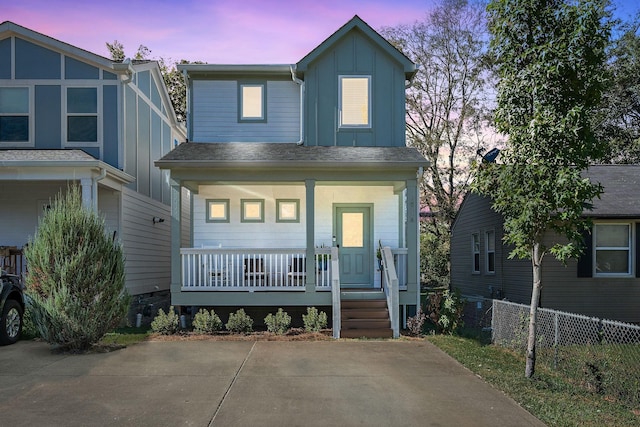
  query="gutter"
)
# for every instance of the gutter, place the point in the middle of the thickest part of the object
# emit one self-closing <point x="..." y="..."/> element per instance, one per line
<point x="301" y="84"/>
<point x="94" y="187"/>
<point x="124" y="66"/>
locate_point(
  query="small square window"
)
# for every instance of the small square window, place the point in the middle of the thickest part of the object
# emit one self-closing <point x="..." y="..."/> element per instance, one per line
<point x="217" y="210"/>
<point x="252" y="102"/>
<point x="252" y="210"/>
<point x="287" y="210"/>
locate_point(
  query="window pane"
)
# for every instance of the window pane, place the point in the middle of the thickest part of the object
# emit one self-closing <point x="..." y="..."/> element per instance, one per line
<point x="252" y="210"/>
<point x="82" y="100"/>
<point x="353" y="230"/>
<point x="82" y="128"/>
<point x="14" y="100"/>
<point x="252" y="102"/>
<point x="288" y="210"/>
<point x="612" y="261"/>
<point x="612" y="235"/>
<point x="218" y="210"/>
<point x="476" y="243"/>
<point x="355" y="101"/>
<point x="491" y="241"/>
<point x="476" y="262"/>
<point x="14" y="128"/>
<point x="491" y="262"/>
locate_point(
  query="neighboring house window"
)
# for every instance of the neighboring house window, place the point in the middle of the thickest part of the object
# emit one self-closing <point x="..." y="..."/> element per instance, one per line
<point x="475" y="249"/>
<point x="355" y="101"/>
<point x="14" y="114"/>
<point x="82" y="114"/>
<point x="252" y="102"/>
<point x="490" y="249"/>
<point x="612" y="249"/>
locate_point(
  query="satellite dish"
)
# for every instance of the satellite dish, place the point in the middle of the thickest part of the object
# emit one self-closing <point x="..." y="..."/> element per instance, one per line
<point x="491" y="156"/>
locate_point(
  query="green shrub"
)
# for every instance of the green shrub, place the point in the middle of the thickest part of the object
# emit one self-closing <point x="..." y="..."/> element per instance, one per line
<point x="445" y="311"/>
<point x="29" y="328"/>
<point x="75" y="281"/>
<point x="314" y="321"/>
<point x="206" y="323"/>
<point x="240" y="322"/>
<point x="166" y="323"/>
<point x="278" y="324"/>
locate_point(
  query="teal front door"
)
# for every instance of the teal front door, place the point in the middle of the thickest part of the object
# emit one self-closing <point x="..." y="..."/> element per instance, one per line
<point x="353" y="236"/>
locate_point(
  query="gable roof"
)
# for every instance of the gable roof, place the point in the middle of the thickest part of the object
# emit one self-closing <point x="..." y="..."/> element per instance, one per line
<point x="282" y="155"/>
<point x="357" y="23"/>
<point x="620" y="197"/>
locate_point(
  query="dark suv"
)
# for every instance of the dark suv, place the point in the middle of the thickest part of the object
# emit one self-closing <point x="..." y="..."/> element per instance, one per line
<point x="11" y="308"/>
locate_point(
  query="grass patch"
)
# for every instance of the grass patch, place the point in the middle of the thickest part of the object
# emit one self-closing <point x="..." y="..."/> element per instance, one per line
<point x="125" y="336"/>
<point x="549" y="396"/>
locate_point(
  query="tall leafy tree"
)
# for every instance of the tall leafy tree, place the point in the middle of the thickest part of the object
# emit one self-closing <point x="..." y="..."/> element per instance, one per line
<point x="447" y="112"/>
<point x="550" y="57"/>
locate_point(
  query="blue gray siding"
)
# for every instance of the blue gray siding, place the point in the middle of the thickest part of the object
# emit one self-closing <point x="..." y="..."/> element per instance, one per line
<point x="36" y="62"/>
<point x="74" y="69"/>
<point x="48" y="117"/>
<point x="5" y="59"/>
<point x="110" y="122"/>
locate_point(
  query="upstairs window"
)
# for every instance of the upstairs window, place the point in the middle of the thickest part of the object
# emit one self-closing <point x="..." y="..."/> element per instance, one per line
<point x="490" y="249"/>
<point x="612" y="249"/>
<point x="475" y="251"/>
<point x="14" y="114"/>
<point x="252" y="102"/>
<point x="82" y="114"/>
<point x="355" y="101"/>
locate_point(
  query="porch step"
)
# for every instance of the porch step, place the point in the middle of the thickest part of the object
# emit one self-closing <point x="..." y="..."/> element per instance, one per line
<point x="364" y="313"/>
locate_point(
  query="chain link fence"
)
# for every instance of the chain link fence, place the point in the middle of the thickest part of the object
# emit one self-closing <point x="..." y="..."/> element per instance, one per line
<point x="601" y="355"/>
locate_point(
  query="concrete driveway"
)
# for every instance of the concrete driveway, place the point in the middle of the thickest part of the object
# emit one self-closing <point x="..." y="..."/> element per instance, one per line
<point x="223" y="383"/>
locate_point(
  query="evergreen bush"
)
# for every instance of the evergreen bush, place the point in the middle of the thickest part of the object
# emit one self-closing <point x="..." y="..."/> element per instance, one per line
<point x="278" y="323"/>
<point x="166" y="323"/>
<point x="314" y="321"/>
<point x="206" y="323"/>
<point x="240" y="322"/>
<point x="75" y="280"/>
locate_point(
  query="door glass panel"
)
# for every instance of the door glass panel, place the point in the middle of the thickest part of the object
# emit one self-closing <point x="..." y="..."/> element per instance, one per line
<point x="353" y="229"/>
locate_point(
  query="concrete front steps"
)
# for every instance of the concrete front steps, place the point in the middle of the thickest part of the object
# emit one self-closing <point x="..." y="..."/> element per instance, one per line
<point x="364" y="314"/>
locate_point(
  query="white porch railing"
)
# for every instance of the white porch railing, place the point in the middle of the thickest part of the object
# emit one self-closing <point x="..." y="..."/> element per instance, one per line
<point x="217" y="269"/>
<point x="400" y="262"/>
<point x="390" y="286"/>
<point x="335" y="293"/>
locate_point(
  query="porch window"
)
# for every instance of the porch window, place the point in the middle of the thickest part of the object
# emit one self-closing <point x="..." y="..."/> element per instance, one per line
<point x="82" y="114"/>
<point x="252" y="102"/>
<point x="490" y="250"/>
<point x="252" y="210"/>
<point x="355" y="101"/>
<point x="217" y="210"/>
<point x="475" y="250"/>
<point x="287" y="210"/>
<point x="612" y="249"/>
<point x="14" y="114"/>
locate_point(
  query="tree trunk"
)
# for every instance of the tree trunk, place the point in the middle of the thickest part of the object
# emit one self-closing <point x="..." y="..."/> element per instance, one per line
<point x="536" y="261"/>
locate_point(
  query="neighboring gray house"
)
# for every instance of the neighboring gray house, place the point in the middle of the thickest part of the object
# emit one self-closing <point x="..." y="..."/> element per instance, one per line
<point x="287" y="161"/>
<point x="604" y="282"/>
<point x="68" y="115"/>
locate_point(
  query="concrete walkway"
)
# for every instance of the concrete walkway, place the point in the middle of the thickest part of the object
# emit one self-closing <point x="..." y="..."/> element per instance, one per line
<point x="209" y="383"/>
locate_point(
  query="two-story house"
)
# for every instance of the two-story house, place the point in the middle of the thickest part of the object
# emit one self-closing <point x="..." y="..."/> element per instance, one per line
<point x="299" y="174"/>
<point x="70" y="116"/>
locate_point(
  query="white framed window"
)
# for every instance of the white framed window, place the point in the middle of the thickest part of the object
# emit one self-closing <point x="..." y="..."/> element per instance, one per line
<point x="82" y="115"/>
<point x="252" y="210"/>
<point x="217" y="210"/>
<point x="252" y="105"/>
<point x="612" y="253"/>
<point x="15" y="108"/>
<point x="287" y="210"/>
<point x="355" y="101"/>
<point x="490" y="251"/>
<point x="475" y="252"/>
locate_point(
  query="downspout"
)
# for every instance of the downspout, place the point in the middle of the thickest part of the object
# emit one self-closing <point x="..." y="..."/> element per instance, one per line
<point x="301" y="84"/>
<point x="94" y="188"/>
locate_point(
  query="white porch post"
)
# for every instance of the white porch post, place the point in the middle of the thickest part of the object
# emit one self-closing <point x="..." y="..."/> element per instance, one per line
<point x="86" y="189"/>
<point x="176" y="211"/>
<point x="310" y="186"/>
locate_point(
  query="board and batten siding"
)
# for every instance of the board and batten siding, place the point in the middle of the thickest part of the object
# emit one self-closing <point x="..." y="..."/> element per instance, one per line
<point x="146" y="245"/>
<point x="214" y="113"/>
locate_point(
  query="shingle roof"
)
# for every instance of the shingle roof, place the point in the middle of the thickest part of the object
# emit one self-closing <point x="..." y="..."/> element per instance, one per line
<point x="287" y="154"/>
<point x="44" y="155"/>
<point x="621" y="184"/>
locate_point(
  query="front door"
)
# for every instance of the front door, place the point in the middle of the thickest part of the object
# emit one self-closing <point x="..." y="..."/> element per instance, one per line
<point x="353" y="236"/>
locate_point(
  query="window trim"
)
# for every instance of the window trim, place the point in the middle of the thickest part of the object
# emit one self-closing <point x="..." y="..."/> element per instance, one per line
<point x="630" y="250"/>
<point x="474" y="253"/>
<point x="297" y="210"/>
<point x="243" y="205"/>
<point x="252" y="83"/>
<point x="368" y="125"/>
<point x="65" y="116"/>
<point x="487" y="252"/>
<point x="209" y="218"/>
<point x="30" y="142"/>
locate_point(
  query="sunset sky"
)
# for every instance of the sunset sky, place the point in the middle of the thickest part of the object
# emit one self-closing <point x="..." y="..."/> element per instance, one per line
<point x="215" y="31"/>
